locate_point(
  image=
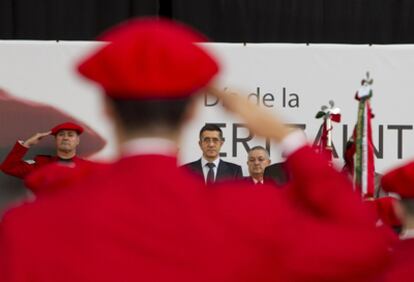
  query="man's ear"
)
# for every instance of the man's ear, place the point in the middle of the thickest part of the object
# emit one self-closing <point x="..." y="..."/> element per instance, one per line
<point x="399" y="211"/>
<point x="108" y="108"/>
<point x="110" y="111"/>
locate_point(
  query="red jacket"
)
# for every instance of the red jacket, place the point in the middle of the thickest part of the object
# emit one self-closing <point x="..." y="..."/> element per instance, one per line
<point x="402" y="266"/>
<point x="55" y="176"/>
<point x="144" y="219"/>
<point x="15" y="165"/>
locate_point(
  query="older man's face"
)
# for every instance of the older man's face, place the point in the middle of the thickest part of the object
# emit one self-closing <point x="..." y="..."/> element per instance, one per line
<point x="67" y="140"/>
<point x="257" y="161"/>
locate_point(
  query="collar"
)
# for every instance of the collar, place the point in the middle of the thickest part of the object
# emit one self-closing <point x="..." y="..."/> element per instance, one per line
<point x="204" y="162"/>
<point x="255" y="181"/>
<point x="65" y="160"/>
<point x="149" y="146"/>
<point x="407" y="234"/>
<point x="59" y="159"/>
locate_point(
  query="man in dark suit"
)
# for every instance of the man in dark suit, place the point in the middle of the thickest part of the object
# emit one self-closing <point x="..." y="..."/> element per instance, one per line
<point x="257" y="161"/>
<point x="277" y="173"/>
<point x="210" y="166"/>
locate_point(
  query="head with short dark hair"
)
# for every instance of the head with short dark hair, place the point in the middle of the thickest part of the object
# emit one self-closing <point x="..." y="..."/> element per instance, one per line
<point x="211" y="140"/>
<point x="211" y="127"/>
<point x="151" y="115"/>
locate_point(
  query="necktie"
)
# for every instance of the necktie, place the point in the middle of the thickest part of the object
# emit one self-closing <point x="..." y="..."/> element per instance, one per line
<point x="210" y="174"/>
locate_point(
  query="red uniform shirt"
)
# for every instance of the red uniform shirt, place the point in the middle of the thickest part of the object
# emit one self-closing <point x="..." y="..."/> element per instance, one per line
<point x="402" y="266"/>
<point x="15" y="165"/>
<point x="144" y="219"/>
<point x="55" y="176"/>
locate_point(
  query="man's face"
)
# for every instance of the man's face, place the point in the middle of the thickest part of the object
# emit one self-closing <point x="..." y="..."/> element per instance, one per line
<point x="67" y="140"/>
<point x="210" y="144"/>
<point x="257" y="161"/>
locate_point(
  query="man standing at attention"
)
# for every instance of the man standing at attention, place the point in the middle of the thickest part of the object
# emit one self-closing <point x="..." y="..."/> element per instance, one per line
<point x="210" y="166"/>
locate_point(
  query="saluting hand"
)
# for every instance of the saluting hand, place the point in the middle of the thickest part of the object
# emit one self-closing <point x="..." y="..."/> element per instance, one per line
<point x="258" y="120"/>
<point x="35" y="139"/>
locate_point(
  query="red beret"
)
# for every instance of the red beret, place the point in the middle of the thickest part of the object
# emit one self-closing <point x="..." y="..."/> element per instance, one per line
<point x="400" y="181"/>
<point x="150" y="58"/>
<point x="67" y="126"/>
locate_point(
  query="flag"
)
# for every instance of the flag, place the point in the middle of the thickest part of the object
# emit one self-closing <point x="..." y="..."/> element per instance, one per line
<point x="323" y="143"/>
<point x="364" y="168"/>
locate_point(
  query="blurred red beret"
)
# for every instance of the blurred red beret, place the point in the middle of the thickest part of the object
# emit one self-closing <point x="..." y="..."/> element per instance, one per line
<point x="150" y="58"/>
<point x="400" y="181"/>
<point x="67" y="126"/>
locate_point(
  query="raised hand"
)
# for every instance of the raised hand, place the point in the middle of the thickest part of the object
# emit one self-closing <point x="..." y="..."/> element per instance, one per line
<point x="258" y="120"/>
<point x="35" y="139"/>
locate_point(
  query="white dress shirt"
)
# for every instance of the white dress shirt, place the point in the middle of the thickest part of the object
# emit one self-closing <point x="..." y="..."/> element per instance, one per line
<point x="206" y="169"/>
<point x="255" y="181"/>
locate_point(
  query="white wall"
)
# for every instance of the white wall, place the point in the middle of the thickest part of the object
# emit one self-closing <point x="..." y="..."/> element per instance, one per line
<point x="44" y="71"/>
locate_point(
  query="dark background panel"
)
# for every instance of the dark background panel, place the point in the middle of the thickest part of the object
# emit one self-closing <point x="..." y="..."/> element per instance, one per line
<point x="69" y="20"/>
<point x="301" y="21"/>
<point x="6" y="19"/>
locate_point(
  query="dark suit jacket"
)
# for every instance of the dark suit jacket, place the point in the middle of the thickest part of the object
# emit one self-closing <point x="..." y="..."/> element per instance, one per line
<point x="276" y="172"/>
<point x="225" y="170"/>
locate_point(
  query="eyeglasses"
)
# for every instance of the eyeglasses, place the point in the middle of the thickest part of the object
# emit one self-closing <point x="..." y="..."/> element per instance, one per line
<point x="207" y="140"/>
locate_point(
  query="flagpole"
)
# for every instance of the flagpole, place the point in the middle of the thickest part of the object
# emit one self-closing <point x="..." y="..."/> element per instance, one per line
<point x="364" y="168"/>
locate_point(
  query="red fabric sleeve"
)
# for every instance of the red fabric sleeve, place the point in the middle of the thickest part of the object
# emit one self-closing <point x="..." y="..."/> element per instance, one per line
<point x="334" y="236"/>
<point x="14" y="165"/>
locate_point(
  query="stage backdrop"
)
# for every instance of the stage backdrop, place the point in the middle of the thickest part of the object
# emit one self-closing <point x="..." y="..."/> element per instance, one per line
<point x="293" y="81"/>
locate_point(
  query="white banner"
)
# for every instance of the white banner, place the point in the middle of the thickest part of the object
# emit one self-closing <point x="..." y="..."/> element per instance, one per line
<point x="291" y="80"/>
